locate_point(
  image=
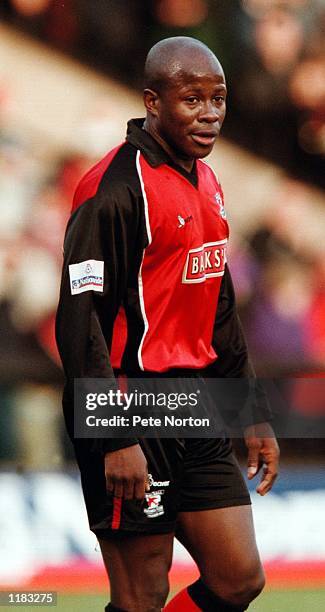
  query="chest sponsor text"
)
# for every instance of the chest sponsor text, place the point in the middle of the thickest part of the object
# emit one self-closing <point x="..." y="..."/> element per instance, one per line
<point x="205" y="261"/>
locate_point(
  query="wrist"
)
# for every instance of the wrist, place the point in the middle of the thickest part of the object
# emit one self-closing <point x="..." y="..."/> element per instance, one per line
<point x="110" y="445"/>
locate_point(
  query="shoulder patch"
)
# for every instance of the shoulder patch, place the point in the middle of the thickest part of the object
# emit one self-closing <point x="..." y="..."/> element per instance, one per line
<point x="86" y="276"/>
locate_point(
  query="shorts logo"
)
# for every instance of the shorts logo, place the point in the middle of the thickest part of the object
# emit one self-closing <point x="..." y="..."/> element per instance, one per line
<point x="86" y="276"/>
<point x="153" y="499"/>
<point x="157" y="483"/>
<point x="204" y="262"/>
<point x="155" y="508"/>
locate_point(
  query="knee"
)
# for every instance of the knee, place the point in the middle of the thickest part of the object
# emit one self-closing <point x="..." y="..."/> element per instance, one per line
<point x="156" y="592"/>
<point x="150" y="591"/>
<point x="155" y="580"/>
<point x="244" y="588"/>
<point x="139" y="575"/>
<point x="143" y="598"/>
<point x="152" y="597"/>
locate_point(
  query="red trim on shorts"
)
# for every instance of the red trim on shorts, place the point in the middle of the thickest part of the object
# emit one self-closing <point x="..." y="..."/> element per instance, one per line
<point x="117" y="510"/>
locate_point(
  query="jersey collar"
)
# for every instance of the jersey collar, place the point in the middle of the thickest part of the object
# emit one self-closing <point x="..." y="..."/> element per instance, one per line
<point x="150" y="148"/>
<point x="153" y="151"/>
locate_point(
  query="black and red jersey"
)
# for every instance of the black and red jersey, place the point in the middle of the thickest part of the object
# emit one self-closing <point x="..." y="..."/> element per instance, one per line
<point x="145" y="284"/>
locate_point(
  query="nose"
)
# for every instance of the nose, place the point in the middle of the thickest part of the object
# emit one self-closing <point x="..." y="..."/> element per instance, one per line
<point x="208" y="113"/>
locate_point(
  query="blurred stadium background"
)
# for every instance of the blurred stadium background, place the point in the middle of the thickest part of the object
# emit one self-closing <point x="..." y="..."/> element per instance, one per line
<point x="70" y="78"/>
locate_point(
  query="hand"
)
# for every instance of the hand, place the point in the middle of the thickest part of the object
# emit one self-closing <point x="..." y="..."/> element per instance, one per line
<point x="126" y="472"/>
<point x="263" y="450"/>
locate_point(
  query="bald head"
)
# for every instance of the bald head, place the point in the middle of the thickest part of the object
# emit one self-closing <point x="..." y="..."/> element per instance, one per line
<point x="185" y="98"/>
<point x="176" y="57"/>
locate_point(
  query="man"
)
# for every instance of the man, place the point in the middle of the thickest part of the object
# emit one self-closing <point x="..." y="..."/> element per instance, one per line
<point x="139" y="219"/>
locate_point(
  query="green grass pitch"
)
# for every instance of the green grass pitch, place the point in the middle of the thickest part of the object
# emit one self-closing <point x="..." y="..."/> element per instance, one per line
<point x="270" y="601"/>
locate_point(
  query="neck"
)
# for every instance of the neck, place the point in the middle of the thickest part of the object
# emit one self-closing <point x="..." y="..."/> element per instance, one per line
<point x="187" y="164"/>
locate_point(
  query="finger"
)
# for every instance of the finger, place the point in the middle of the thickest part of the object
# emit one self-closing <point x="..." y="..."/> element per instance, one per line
<point x="267" y="482"/>
<point x="128" y="489"/>
<point x="271" y="462"/>
<point x="118" y="488"/>
<point x="109" y="485"/>
<point x="253" y="460"/>
<point x="140" y="489"/>
<point x="147" y="484"/>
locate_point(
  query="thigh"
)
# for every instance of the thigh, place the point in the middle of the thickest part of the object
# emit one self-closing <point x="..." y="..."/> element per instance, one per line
<point x="138" y="568"/>
<point x="222" y="543"/>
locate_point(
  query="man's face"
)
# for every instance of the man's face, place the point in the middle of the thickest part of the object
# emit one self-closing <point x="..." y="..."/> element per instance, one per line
<point x="191" y="110"/>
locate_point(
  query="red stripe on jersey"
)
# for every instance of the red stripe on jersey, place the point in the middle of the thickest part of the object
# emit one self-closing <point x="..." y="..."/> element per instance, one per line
<point x="117" y="510"/>
<point x="182" y="602"/>
<point x="119" y="339"/>
<point x="89" y="184"/>
<point x="182" y="267"/>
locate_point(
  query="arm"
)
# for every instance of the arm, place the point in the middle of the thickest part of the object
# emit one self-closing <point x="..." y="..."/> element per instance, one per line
<point x="103" y="229"/>
<point x="228" y="336"/>
<point x="233" y="362"/>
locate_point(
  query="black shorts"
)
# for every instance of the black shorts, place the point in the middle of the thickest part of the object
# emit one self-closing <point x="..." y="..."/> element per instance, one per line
<point x="186" y="475"/>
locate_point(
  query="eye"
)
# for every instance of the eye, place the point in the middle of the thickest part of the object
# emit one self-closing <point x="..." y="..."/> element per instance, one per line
<point x="192" y="99"/>
<point x="220" y="99"/>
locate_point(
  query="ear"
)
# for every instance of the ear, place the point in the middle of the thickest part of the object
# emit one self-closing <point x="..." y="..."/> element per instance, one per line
<point x="151" y="101"/>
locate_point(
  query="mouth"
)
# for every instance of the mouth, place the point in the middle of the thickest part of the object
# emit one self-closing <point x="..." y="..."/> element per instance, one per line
<point x="204" y="138"/>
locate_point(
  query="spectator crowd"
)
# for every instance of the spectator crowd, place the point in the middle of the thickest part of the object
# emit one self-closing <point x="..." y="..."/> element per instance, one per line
<point x="273" y="53"/>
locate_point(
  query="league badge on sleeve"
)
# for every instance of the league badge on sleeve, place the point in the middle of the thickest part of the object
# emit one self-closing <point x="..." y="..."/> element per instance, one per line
<point x="86" y="276"/>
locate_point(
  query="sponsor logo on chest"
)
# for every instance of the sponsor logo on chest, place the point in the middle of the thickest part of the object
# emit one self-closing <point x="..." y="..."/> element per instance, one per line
<point x="205" y="261"/>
